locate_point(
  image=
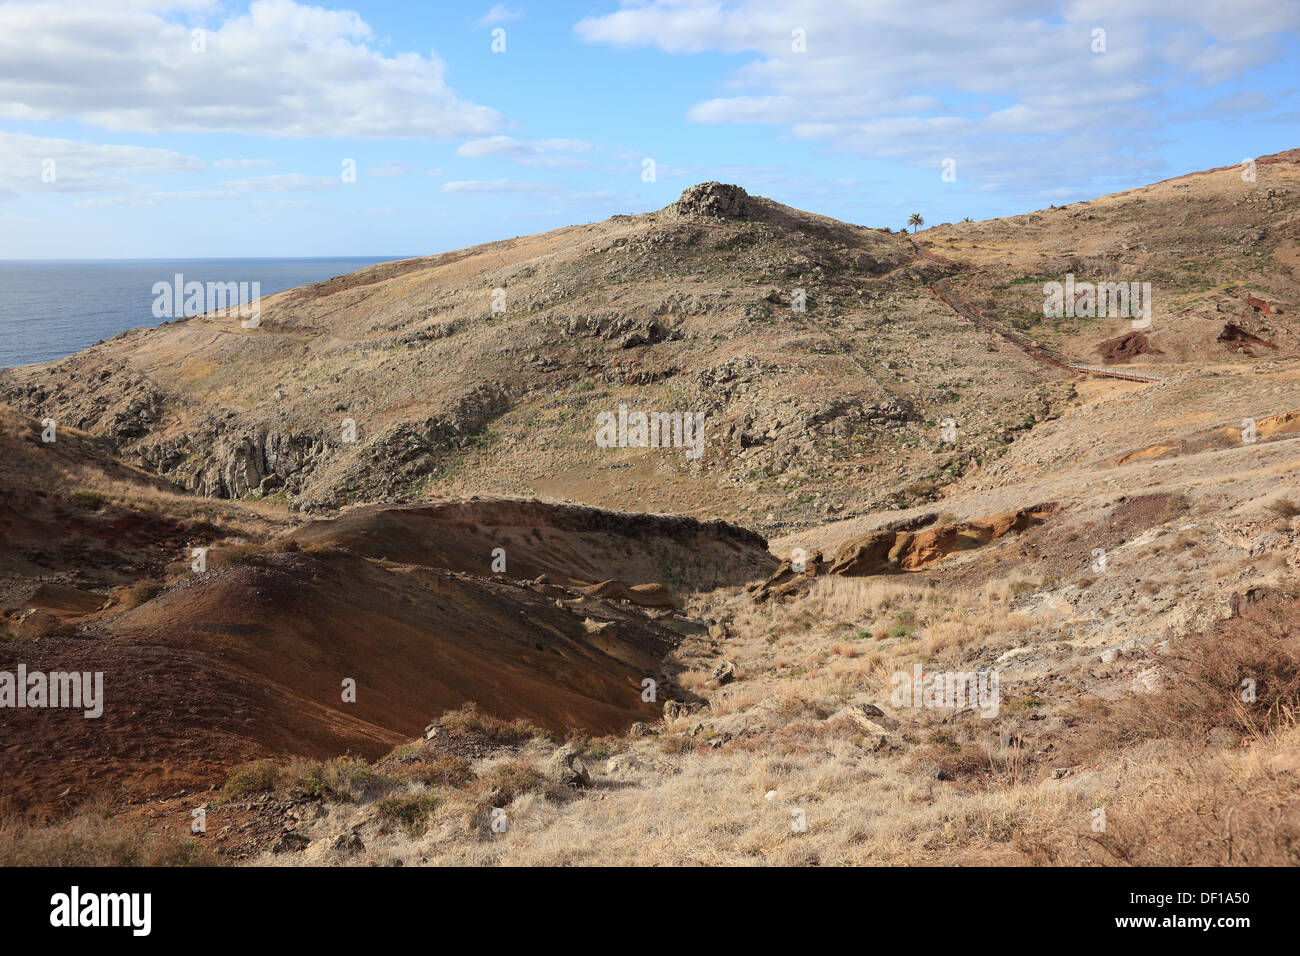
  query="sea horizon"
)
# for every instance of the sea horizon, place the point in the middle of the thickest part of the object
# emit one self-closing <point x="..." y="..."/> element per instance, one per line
<point x="53" y="308"/>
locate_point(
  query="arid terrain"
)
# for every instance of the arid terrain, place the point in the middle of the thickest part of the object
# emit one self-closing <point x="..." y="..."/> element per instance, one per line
<point x="366" y="588"/>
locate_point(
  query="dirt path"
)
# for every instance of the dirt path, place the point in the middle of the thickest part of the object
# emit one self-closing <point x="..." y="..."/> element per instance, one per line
<point x="1022" y="342"/>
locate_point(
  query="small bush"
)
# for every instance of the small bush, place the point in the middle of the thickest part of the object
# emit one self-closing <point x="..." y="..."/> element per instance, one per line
<point x="239" y="555"/>
<point x="506" y="782"/>
<point x="1284" y="507"/>
<point x="142" y="591"/>
<point x="924" y="489"/>
<point x="410" y="812"/>
<point x="1176" y="505"/>
<point x="468" y="722"/>
<point x="257" y="776"/>
<point x="1206" y="672"/>
<point x="343" y="778"/>
<point x="444" y="770"/>
<point x="88" y="500"/>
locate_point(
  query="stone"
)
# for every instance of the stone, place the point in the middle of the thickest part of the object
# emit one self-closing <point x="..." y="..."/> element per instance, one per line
<point x="567" y="769"/>
<point x="348" y="844"/>
<point x="621" y="763"/>
<point x="724" y="673"/>
<point x="674" y="709"/>
<point x="290" y="842"/>
<point x="869" y="718"/>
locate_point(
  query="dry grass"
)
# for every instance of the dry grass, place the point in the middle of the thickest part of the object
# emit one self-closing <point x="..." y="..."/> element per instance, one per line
<point x="92" y="837"/>
<point x="715" y="798"/>
<point x="1242" y="675"/>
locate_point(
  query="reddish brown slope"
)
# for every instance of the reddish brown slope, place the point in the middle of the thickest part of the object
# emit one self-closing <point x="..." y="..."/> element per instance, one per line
<point x="249" y="661"/>
<point x="573" y="542"/>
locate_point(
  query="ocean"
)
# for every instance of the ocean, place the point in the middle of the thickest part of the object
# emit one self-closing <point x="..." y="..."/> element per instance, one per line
<point x="52" y="308"/>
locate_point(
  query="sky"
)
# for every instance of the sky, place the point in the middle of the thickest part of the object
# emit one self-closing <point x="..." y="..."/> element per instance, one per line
<point x="196" y="129"/>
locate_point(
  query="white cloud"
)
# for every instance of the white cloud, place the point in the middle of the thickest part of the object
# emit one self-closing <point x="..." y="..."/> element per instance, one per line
<point x="1000" y="85"/>
<point x="82" y="167"/>
<point x="281" y="183"/>
<point x="285" y="204"/>
<point x="500" y="13"/>
<point x="538" y="152"/>
<point x="280" y="70"/>
<point x="403" y="169"/>
<point x="487" y="186"/>
<point x="241" y="163"/>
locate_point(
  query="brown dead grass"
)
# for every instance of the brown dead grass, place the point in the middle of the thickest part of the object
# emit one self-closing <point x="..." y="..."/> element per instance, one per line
<point x="93" y="837"/>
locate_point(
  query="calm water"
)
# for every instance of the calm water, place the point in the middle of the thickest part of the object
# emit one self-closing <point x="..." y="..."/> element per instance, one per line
<point x="49" y="309"/>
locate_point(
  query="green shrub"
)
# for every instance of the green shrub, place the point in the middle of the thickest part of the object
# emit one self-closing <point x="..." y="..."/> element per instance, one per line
<point x="410" y="812"/>
<point x="468" y="722"/>
<point x="245" y="555"/>
<point x="257" y="776"/>
<point x="142" y="591"/>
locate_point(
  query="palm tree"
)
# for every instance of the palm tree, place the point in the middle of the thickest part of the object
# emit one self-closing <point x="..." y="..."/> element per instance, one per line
<point x="915" y="221"/>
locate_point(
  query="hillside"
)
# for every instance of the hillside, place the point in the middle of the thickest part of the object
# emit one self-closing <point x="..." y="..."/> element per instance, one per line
<point x="1108" y="526"/>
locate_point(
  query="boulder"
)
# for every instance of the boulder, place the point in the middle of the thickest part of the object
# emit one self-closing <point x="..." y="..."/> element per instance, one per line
<point x="870" y="721"/>
<point x="674" y="709"/>
<point x="567" y="769"/>
<point x="622" y="763"/>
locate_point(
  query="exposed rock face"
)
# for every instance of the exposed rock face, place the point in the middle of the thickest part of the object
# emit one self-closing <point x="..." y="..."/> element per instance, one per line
<point x="871" y="553"/>
<point x="1259" y="305"/>
<point x="413" y="449"/>
<point x="221" y="464"/>
<point x="110" y="397"/>
<point x="255" y="464"/>
<point x="794" y="424"/>
<point x="628" y="331"/>
<point x="883" y="551"/>
<point x="786" y="580"/>
<point x="891" y="550"/>
<point x="713" y="201"/>
<point x="870" y="721"/>
<point x="642" y="595"/>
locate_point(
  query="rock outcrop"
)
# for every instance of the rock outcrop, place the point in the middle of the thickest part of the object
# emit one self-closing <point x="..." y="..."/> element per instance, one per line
<point x="888" y="551"/>
<point x="713" y="201"/>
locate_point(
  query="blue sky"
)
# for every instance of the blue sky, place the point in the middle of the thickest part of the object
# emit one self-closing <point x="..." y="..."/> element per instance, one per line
<point x="124" y="134"/>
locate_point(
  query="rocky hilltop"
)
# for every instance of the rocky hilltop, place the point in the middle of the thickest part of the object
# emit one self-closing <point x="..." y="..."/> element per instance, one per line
<point x="822" y="355"/>
<point x="691" y="309"/>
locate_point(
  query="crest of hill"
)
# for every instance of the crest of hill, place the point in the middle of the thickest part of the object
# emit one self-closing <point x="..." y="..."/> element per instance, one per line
<point x="482" y="370"/>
